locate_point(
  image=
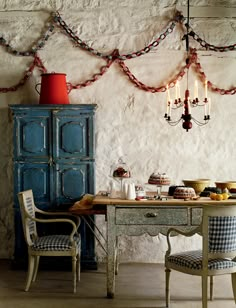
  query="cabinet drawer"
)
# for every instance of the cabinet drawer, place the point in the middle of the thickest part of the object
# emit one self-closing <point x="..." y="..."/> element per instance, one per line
<point x="196" y="216"/>
<point x="151" y="216"/>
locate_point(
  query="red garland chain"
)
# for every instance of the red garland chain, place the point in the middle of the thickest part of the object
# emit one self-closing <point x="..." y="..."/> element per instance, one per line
<point x="193" y="59"/>
<point x="210" y="85"/>
<point x="38" y="62"/>
<point x="35" y="63"/>
<point x="162" y="88"/>
<point x="95" y="77"/>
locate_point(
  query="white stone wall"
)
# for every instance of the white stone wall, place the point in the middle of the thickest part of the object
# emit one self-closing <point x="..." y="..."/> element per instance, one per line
<point x="129" y="121"/>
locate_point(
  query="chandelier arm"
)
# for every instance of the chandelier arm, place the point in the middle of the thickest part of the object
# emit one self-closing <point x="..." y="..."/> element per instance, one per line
<point x="174" y="123"/>
<point x="200" y="123"/>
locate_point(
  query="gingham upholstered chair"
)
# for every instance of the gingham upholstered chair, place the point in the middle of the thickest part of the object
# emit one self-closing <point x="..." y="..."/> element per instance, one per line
<point x="48" y="245"/>
<point x="218" y="254"/>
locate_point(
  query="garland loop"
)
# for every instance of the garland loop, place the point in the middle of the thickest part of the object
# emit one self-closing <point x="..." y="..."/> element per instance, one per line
<point x="116" y="57"/>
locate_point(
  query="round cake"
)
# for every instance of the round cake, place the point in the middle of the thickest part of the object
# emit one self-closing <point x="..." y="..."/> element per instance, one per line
<point x="159" y="179"/>
<point x="184" y="193"/>
<point x="120" y="172"/>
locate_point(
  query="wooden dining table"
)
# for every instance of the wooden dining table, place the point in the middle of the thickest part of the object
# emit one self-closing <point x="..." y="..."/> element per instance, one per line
<point x="138" y="217"/>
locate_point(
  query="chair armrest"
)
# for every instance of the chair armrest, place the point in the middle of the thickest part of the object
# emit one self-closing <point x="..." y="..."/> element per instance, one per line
<point x="179" y="232"/>
<point x="57" y="220"/>
<point x="76" y="217"/>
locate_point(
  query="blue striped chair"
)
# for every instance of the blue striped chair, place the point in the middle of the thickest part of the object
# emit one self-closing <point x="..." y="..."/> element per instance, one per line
<point x="48" y="245"/>
<point x="218" y="253"/>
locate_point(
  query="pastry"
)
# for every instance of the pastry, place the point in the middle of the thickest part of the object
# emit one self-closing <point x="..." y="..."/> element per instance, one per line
<point x="120" y="172"/>
<point x="184" y="193"/>
<point x="159" y="179"/>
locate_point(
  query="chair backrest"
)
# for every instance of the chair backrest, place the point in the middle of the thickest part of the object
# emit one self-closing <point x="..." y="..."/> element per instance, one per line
<point x="219" y="231"/>
<point x="27" y="208"/>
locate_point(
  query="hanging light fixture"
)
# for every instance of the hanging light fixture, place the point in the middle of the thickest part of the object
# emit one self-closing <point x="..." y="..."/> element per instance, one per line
<point x="187" y="103"/>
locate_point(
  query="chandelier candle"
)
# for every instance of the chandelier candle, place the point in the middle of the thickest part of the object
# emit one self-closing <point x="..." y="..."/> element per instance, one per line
<point x="168" y="104"/>
<point x="177" y="91"/>
<point x="209" y="107"/>
<point x="206" y="89"/>
<point x="205" y="109"/>
<point x="196" y="90"/>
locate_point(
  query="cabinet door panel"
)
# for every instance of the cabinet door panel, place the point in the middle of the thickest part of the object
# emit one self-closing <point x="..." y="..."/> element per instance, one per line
<point x="73" y="136"/>
<point x="32" y="138"/>
<point x="53" y="156"/>
<point x="73" y="181"/>
<point x="36" y="177"/>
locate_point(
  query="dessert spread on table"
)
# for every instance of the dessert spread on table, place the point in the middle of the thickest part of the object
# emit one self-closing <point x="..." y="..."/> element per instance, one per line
<point x="192" y="190"/>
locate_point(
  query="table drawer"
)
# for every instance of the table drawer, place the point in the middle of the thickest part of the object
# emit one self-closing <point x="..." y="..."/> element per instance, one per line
<point x="152" y="216"/>
<point x="196" y="216"/>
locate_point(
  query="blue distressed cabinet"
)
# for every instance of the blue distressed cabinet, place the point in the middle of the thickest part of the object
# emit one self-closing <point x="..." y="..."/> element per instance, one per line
<point x="54" y="156"/>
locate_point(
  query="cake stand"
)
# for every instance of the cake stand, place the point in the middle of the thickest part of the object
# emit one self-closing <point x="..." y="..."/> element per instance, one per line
<point x="159" y="195"/>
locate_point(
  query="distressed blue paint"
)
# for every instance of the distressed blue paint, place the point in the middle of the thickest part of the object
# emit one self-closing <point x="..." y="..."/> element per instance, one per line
<point x="53" y="156"/>
<point x="31" y="137"/>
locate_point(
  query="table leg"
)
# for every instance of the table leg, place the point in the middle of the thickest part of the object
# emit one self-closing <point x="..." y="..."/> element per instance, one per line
<point x="116" y="257"/>
<point x="111" y="243"/>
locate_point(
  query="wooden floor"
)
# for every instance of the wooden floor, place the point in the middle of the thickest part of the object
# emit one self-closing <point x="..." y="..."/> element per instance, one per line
<point x="137" y="285"/>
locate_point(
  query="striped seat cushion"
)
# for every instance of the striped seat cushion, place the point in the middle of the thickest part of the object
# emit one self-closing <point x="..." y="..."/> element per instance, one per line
<point x="193" y="260"/>
<point x="54" y="243"/>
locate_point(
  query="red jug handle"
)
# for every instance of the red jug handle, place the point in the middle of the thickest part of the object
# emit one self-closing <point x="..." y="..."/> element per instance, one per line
<point x="69" y="87"/>
<point x="36" y="87"/>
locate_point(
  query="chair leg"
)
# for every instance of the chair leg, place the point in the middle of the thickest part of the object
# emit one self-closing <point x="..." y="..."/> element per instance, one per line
<point x="167" y="270"/>
<point x="211" y="288"/>
<point x="78" y="267"/>
<point x="74" y="271"/>
<point x="204" y="291"/>
<point x="36" y="267"/>
<point x="233" y="279"/>
<point x="31" y="262"/>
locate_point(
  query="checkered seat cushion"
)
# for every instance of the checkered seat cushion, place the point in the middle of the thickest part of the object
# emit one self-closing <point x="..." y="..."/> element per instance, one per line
<point x="222" y="234"/>
<point x="193" y="260"/>
<point x="54" y="243"/>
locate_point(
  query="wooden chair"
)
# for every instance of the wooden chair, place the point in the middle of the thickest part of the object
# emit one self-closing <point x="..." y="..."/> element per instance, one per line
<point x="218" y="254"/>
<point x="48" y="245"/>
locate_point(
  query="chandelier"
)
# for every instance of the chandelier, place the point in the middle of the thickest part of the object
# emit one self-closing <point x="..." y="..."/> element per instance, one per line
<point x="187" y="103"/>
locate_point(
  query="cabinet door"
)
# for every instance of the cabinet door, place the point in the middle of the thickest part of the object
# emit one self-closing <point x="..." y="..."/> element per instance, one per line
<point x="35" y="176"/>
<point x="32" y="137"/>
<point x="72" y="136"/>
<point x="72" y="181"/>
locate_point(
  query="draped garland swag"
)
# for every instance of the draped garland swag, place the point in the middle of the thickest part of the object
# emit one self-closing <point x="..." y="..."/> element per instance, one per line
<point x="56" y="20"/>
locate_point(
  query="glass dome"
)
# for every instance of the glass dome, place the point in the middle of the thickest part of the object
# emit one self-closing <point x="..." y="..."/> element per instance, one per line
<point x="120" y="169"/>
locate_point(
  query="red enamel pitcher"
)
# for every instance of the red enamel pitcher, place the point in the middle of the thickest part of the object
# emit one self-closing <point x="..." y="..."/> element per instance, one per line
<point x="54" y="89"/>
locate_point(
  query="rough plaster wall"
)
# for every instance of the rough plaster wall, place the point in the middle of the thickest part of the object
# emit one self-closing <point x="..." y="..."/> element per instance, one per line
<point x="129" y="121"/>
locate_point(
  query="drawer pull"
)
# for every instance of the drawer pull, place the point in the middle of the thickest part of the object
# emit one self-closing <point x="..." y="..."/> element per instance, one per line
<point x="151" y="215"/>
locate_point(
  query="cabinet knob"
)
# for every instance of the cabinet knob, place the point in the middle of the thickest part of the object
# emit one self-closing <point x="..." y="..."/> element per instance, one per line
<point x="148" y="215"/>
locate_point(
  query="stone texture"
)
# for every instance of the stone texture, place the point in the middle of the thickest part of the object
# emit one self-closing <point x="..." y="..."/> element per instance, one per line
<point x="129" y="121"/>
